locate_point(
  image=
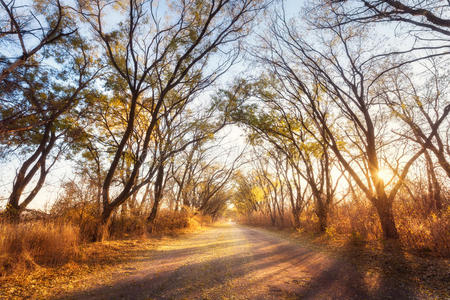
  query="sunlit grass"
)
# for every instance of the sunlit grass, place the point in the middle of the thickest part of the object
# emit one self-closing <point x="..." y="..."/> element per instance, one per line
<point x="359" y="224"/>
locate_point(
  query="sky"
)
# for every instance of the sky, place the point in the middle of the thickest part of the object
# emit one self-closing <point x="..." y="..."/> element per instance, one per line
<point x="64" y="171"/>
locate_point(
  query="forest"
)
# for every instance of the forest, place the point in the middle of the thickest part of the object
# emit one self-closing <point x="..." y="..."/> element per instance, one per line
<point x="126" y="120"/>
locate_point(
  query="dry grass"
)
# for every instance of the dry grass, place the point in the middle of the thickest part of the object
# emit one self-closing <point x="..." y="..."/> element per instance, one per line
<point x="260" y="219"/>
<point x="82" y="215"/>
<point x="428" y="235"/>
<point x="358" y="223"/>
<point x="166" y="222"/>
<point x="170" y="221"/>
<point x="23" y="246"/>
<point x="358" y="220"/>
<point x="31" y="245"/>
<point x="96" y="262"/>
<point x="41" y="257"/>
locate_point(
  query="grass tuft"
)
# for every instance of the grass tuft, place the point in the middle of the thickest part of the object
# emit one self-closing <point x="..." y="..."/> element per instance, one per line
<point x="25" y="246"/>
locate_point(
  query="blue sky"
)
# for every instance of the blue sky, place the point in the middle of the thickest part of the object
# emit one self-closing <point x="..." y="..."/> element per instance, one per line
<point x="63" y="170"/>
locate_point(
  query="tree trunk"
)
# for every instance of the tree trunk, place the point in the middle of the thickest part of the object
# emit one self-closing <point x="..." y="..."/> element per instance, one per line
<point x="321" y="210"/>
<point x="12" y="213"/>
<point x="177" y="204"/>
<point x="158" y="194"/>
<point x="296" y="216"/>
<point x="26" y="174"/>
<point x="151" y="218"/>
<point x="323" y="218"/>
<point x="434" y="189"/>
<point x="386" y="215"/>
<point x="103" y="228"/>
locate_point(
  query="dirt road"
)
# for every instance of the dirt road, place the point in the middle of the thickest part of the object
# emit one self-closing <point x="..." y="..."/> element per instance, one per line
<point x="235" y="262"/>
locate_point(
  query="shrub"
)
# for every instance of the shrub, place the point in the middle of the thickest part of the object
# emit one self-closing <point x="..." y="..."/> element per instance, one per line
<point x="170" y="221"/>
<point x="167" y="221"/>
<point x="427" y="234"/>
<point x="128" y="225"/>
<point x="260" y="219"/>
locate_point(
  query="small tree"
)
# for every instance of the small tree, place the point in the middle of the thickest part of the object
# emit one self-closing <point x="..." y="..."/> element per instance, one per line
<point x="55" y="96"/>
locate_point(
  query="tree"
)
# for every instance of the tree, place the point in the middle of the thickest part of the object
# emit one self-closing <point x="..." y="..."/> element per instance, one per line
<point x="149" y="59"/>
<point x="30" y="27"/>
<point x="339" y="71"/>
<point x="422" y="15"/>
<point x="55" y="94"/>
<point x="247" y="197"/>
<point x="278" y="118"/>
<point x="422" y="109"/>
<point x="28" y="33"/>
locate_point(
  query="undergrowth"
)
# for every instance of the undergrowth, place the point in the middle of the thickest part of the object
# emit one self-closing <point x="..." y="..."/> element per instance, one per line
<point x="422" y="233"/>
<point x="56" y="241"/>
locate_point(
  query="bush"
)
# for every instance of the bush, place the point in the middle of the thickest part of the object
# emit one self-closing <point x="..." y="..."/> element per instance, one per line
<point x="358" y="220"/>
<point x="128" y="225"/>
<point x="170" y="221"/>
<point x="426" y="234"/>
<point x="260" y="219"/>
<point x="167" y="221"/>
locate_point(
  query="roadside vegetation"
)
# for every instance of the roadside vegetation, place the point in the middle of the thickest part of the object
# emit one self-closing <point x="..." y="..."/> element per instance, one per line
<point x="423" y="235"/>
<point x="49" y="244"/>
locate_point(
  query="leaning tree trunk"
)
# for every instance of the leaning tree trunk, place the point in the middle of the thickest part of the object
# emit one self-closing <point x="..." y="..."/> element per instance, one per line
<point x="158" y="194"/>
<point x="25" y="175"/>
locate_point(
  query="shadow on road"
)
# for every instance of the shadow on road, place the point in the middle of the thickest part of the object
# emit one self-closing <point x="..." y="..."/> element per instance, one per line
<point x="242" y="263"/>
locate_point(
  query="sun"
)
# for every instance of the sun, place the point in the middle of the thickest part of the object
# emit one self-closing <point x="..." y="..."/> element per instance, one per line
<point x="384" y="174"/>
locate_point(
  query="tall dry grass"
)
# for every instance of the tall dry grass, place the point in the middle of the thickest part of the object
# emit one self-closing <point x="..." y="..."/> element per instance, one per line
<point x="260" y="219"/>
<point x="166" y="222"/>
<point x="173" y="221"/>
<point x="426" y="233"/>
<point x="56" y="241"/>
<point x="23" y="246"/>
<point x="125" y="223"/>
